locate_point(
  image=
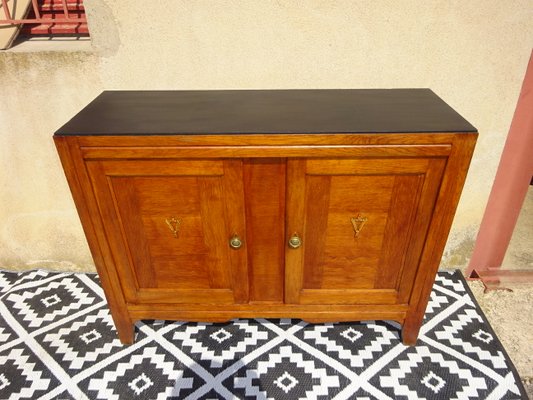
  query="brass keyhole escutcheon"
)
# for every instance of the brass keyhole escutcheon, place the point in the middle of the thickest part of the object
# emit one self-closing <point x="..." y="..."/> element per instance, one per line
<point x="235" y="242"/>
<point x="295" y="241"/>
<point x="358" y="223"/>
<point x="173" y="224"/>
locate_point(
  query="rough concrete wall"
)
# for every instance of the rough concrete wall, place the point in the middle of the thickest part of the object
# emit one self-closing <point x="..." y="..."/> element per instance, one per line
<point x="473" y="54"/>
<point x="39" y="91"/>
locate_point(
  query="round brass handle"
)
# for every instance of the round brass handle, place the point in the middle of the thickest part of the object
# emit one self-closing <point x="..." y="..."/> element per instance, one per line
<point x="235" y="242"/>
<point x="295" y="241"/>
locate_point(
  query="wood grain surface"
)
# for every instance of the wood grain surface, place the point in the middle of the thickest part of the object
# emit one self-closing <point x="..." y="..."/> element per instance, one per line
<point x="265" y="188"/>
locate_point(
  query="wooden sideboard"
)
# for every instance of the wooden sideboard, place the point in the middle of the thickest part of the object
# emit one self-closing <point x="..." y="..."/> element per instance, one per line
<point x="324" y="205"/>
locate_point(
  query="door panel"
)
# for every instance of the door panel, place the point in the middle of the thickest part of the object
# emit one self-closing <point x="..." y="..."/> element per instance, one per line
<point x="175" y="220"/>
<point x="356" y="219"/>
<point x="333" y="256"/>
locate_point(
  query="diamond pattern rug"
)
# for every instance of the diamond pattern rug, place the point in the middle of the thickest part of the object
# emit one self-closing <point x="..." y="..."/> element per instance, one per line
<point x="57" y="341"/>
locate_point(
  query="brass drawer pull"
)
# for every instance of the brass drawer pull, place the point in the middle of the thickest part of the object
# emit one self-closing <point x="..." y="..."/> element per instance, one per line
<point x="295" y="241"/>
<point x="235" y="242"/>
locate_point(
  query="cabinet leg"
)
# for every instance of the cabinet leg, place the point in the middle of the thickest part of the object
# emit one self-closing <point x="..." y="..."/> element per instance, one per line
<point x="126" y="331"/>
<point x="410" y="334"/>
<point x="409" y="338"/>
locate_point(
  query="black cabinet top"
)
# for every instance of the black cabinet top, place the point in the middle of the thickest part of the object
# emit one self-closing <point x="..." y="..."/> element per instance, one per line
<point x="265" y="111"/>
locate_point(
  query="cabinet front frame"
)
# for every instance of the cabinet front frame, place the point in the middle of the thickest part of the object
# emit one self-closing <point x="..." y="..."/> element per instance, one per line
<point x="456" y="147"/>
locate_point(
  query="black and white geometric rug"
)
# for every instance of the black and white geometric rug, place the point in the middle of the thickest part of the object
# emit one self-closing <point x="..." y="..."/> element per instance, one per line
<point x="57" y="341"/>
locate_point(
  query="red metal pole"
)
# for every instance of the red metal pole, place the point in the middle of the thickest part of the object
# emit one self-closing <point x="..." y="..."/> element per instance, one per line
<point x="36" y="9"/>
<point x="6" y="9"/>
<point x="510" y="185"/>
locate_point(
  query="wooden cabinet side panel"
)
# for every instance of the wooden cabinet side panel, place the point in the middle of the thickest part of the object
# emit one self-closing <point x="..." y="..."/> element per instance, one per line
<point x="441" y="222"/>
<point x="78" y="180"/>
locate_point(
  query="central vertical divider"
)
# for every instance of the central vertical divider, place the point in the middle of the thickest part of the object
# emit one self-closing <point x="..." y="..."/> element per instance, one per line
<point x="264" y="191"/>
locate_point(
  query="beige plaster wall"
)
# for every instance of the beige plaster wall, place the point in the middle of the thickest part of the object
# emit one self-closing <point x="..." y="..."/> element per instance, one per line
<point x="39" y="226"/>
<point x="473" y="54"/>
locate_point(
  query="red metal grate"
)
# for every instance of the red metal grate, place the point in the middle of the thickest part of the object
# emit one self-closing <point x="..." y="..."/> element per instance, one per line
<point x="50" y="17"/>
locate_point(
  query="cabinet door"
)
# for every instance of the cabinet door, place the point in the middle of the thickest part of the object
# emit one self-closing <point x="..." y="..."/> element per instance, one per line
<point x="169" y="224"/>
<point x="362" y="225"/>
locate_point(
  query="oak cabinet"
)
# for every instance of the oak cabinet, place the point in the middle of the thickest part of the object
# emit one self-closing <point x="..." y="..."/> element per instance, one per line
<point x="322" y="205"/>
